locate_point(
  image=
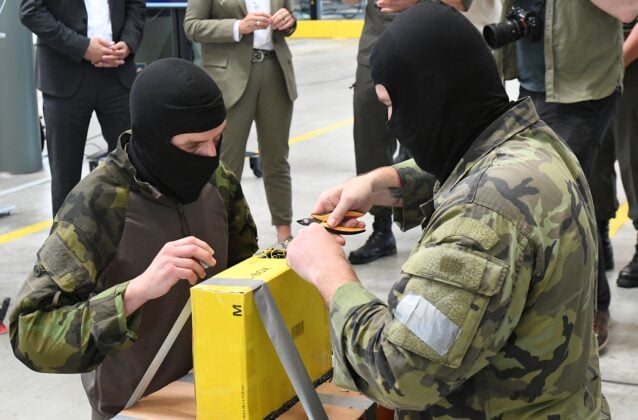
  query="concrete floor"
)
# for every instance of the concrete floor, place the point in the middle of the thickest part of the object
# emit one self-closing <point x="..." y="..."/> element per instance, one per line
<point x="320" y="156"/>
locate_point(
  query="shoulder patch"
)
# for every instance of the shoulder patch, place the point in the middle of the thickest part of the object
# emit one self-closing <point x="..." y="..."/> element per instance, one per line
<point x="458" y="267"/>
<point x="470" y="228"/>
<point x="446" y="297"/>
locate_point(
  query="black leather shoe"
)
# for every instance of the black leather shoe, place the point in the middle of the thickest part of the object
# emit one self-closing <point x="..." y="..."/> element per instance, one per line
<point x="628" y="276"/>
<point x="380" y="244"/>
<point x="608" y="250"/>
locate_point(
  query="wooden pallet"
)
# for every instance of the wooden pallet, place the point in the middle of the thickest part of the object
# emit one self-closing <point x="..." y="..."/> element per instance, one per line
<point x="177" y="401"/>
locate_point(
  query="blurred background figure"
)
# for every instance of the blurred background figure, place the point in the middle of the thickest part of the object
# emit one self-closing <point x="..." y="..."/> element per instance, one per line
<point x="620" y="144"/>
<point x="545" y="43"/>
<point x="84" y="63"/>
<point x="244" y="50"/>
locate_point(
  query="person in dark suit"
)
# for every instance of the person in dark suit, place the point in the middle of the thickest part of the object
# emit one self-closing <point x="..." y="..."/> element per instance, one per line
<point x="84" y="63"/>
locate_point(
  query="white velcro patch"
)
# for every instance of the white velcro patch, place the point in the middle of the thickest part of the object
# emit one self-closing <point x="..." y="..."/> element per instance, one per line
<point x="423" y="319"/>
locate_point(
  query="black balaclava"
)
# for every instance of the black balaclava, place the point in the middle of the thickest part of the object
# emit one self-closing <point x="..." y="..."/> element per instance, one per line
<point x="443" y="83"/>
<point x="170" y="97"/>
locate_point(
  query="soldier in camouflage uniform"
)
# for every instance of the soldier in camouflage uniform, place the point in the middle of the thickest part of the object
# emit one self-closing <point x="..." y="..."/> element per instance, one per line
<point x="486" y="322"/>
<point x="106" y="288"/>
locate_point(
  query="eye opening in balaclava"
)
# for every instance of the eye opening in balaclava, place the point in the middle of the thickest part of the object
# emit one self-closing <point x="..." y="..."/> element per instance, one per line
<point x="169" y="97"/>
<point x="443" y="83"/>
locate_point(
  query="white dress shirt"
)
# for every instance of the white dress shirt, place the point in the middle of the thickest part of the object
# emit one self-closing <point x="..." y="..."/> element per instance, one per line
<point x="99" y="19"/>
<point x="262" y="38"/>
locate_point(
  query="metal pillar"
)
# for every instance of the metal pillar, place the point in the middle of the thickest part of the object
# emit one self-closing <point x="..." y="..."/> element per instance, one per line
<point x="20" y="148"/>
<point x="316" y="11"/>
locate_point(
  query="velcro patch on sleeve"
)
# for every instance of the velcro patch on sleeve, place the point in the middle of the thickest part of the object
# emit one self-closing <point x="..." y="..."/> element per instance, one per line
<point x="446" y="297"/>
<point x="457" y="266"/>
<point x="428" y="323"/>
<point x="62" y="265"/>
<point x="470" y="228"/>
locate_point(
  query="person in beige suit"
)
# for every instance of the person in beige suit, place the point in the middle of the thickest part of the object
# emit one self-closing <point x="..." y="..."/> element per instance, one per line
<point x="244" y="50"/>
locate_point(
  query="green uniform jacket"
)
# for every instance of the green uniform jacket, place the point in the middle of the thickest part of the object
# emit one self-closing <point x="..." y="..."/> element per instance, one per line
<point x="493" y="317"/>
<point x="69" y="316"/>
<point x="374" y="23"/>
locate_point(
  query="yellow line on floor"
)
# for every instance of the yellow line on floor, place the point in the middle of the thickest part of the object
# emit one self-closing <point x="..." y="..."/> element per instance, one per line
<point x="40" y="226"/>
<point x="25" y="231"/>
<point x="622" y="217"/>
<point x="320" y="131"/>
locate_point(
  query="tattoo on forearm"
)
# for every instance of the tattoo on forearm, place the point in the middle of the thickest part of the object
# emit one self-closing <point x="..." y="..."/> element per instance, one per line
<point x="396" y="192"/>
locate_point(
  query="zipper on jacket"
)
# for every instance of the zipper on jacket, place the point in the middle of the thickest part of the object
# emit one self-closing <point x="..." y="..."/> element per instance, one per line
<point x="182" y="220"/>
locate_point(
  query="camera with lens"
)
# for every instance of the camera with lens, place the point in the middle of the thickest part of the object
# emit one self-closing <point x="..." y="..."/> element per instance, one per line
<point x="519" y="23"/>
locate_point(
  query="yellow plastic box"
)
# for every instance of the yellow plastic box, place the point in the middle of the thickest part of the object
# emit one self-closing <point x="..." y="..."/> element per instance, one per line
<point x="238" y="374"/>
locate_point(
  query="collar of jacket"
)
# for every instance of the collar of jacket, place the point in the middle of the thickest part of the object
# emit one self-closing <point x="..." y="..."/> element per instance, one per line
<point x="513" y="121"/>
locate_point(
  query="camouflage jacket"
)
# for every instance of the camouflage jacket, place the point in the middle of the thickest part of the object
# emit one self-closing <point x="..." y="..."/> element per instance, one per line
<point x="69" y="315"/>
<point x="493" y="317"/>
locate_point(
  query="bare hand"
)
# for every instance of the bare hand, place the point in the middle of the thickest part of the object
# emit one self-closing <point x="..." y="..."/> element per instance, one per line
<point x="254" y="21"/>
<point x="317" y="256"/>
<point x="354" y="194"/>
<point x="394" y="6"/>
<point x="97" y="49"/>
<point x="177" y="260"/>
<point x="282" y="20"/>
<point x="119" y="52"/>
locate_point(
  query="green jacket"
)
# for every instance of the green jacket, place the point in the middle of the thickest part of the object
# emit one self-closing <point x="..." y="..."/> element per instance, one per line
<point x="583" y="51"/>
<point x="493" y="316"/>
<point x="69" y="316"/>
<point x="374" y="23"/>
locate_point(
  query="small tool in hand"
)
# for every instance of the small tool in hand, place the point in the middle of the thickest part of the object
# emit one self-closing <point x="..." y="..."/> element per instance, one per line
<point x="340" y="229"/>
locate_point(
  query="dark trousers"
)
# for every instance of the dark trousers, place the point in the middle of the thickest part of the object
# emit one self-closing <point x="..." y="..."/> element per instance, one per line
<point x="67" y="124"/>
<point x="625" y="131"/>
<point x="621" y="143"/>
<point x="374" y="146"/>
<point x="582" y="126"/>
<point x="603" y="185"/>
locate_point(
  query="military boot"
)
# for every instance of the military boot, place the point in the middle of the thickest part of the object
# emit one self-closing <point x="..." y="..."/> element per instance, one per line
<point x="608" y="250"/>
<point x="628" y="276"/>
<point x="380" y="244"/>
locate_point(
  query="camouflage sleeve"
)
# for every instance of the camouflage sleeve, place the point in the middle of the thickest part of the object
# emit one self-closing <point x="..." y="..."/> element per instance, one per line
<point x="462" y="295"/>
<point x="59" y="324"/>
<point x="417" y="189"/>
<point x="242" y="231"/>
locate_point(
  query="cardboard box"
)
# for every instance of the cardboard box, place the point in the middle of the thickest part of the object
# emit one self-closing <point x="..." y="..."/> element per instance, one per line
<point x="238" y="374"/>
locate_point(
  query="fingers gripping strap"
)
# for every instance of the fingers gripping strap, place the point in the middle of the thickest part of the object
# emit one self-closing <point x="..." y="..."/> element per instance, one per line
<point x="161" y="354"/>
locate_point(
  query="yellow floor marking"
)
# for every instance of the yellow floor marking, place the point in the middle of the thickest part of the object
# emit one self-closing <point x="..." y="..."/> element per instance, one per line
<point x="622" y="217"/>
<point x="25" y="231"/>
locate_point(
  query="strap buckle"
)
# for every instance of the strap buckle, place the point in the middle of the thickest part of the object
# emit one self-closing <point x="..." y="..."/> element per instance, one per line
<point x="257" y="56"/>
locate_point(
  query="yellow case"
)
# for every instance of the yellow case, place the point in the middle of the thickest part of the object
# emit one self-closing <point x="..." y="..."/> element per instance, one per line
<point x="238" y="374"/>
